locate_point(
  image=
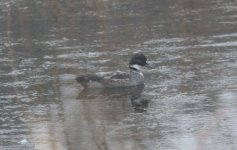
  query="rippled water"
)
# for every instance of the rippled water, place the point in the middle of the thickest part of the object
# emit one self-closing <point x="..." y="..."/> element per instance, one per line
<point x="189" y="101"/>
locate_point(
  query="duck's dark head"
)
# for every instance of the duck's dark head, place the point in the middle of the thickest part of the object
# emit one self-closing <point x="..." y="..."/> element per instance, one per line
<point x="138" y="59"/>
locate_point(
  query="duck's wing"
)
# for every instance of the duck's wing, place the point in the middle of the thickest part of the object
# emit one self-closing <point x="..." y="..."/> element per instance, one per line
<point x="104" y="79"/>
<point x="113" y="75"/>
<point x="119" y="75"/>
<point x="117" y="79"/>
<point x="85" y="79"/>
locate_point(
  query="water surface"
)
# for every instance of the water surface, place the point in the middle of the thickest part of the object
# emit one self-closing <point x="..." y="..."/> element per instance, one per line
<point x="189" y="101"/>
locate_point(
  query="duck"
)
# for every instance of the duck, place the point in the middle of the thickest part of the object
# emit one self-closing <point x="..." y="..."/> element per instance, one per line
<point x="118" y="79"/>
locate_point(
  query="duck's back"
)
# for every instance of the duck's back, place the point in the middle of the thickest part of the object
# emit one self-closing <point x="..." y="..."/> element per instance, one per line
<point x="115" y="80"/>
<point x="90" y="81"/>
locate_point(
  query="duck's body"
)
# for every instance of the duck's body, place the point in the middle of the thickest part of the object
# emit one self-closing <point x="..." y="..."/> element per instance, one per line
<point x="117" y="79"/>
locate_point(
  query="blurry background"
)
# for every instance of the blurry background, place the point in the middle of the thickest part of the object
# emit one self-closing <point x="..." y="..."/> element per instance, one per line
<point x="45" y="44"/>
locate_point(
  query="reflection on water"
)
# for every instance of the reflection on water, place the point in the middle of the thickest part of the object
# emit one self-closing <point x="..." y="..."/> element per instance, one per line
<point x="189" y="101"/>
<point x="138" y="100"/>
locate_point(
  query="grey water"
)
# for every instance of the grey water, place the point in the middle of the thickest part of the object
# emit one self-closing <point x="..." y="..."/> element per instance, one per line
<point x="189" y="100"/>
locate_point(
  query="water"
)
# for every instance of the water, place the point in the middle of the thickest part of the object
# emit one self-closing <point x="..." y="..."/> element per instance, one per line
<point x="189" y="101"/>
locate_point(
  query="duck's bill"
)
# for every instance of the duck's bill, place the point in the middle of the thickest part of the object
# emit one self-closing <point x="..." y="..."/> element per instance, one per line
<point x="149" y="66"/>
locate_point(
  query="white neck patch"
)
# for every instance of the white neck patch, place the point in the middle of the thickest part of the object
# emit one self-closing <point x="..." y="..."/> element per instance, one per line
<point x="138" y="67"/>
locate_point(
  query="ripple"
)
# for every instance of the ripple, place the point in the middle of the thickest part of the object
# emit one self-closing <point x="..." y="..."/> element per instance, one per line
<point x="66" y="77"/>
<point x="191" y="93"/>
<point x="84" y="55"/>
<point x="5" y="60"/>
<point x="23" y="84"/>
<point x="221" y="44"/>
<point x="225" y="35"/>
<point x="17" y="72"/>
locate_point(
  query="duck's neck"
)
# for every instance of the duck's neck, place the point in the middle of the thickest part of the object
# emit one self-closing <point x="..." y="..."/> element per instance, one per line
<point x="136" y="76"/>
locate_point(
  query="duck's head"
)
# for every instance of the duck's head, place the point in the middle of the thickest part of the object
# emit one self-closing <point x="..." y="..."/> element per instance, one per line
<point x="137" y="61"/>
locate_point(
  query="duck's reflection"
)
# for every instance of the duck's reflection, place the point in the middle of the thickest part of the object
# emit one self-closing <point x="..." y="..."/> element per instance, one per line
<point x="139" y="103"/>
<point x="135" y="94"/>
<point x="97" y="118"/>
